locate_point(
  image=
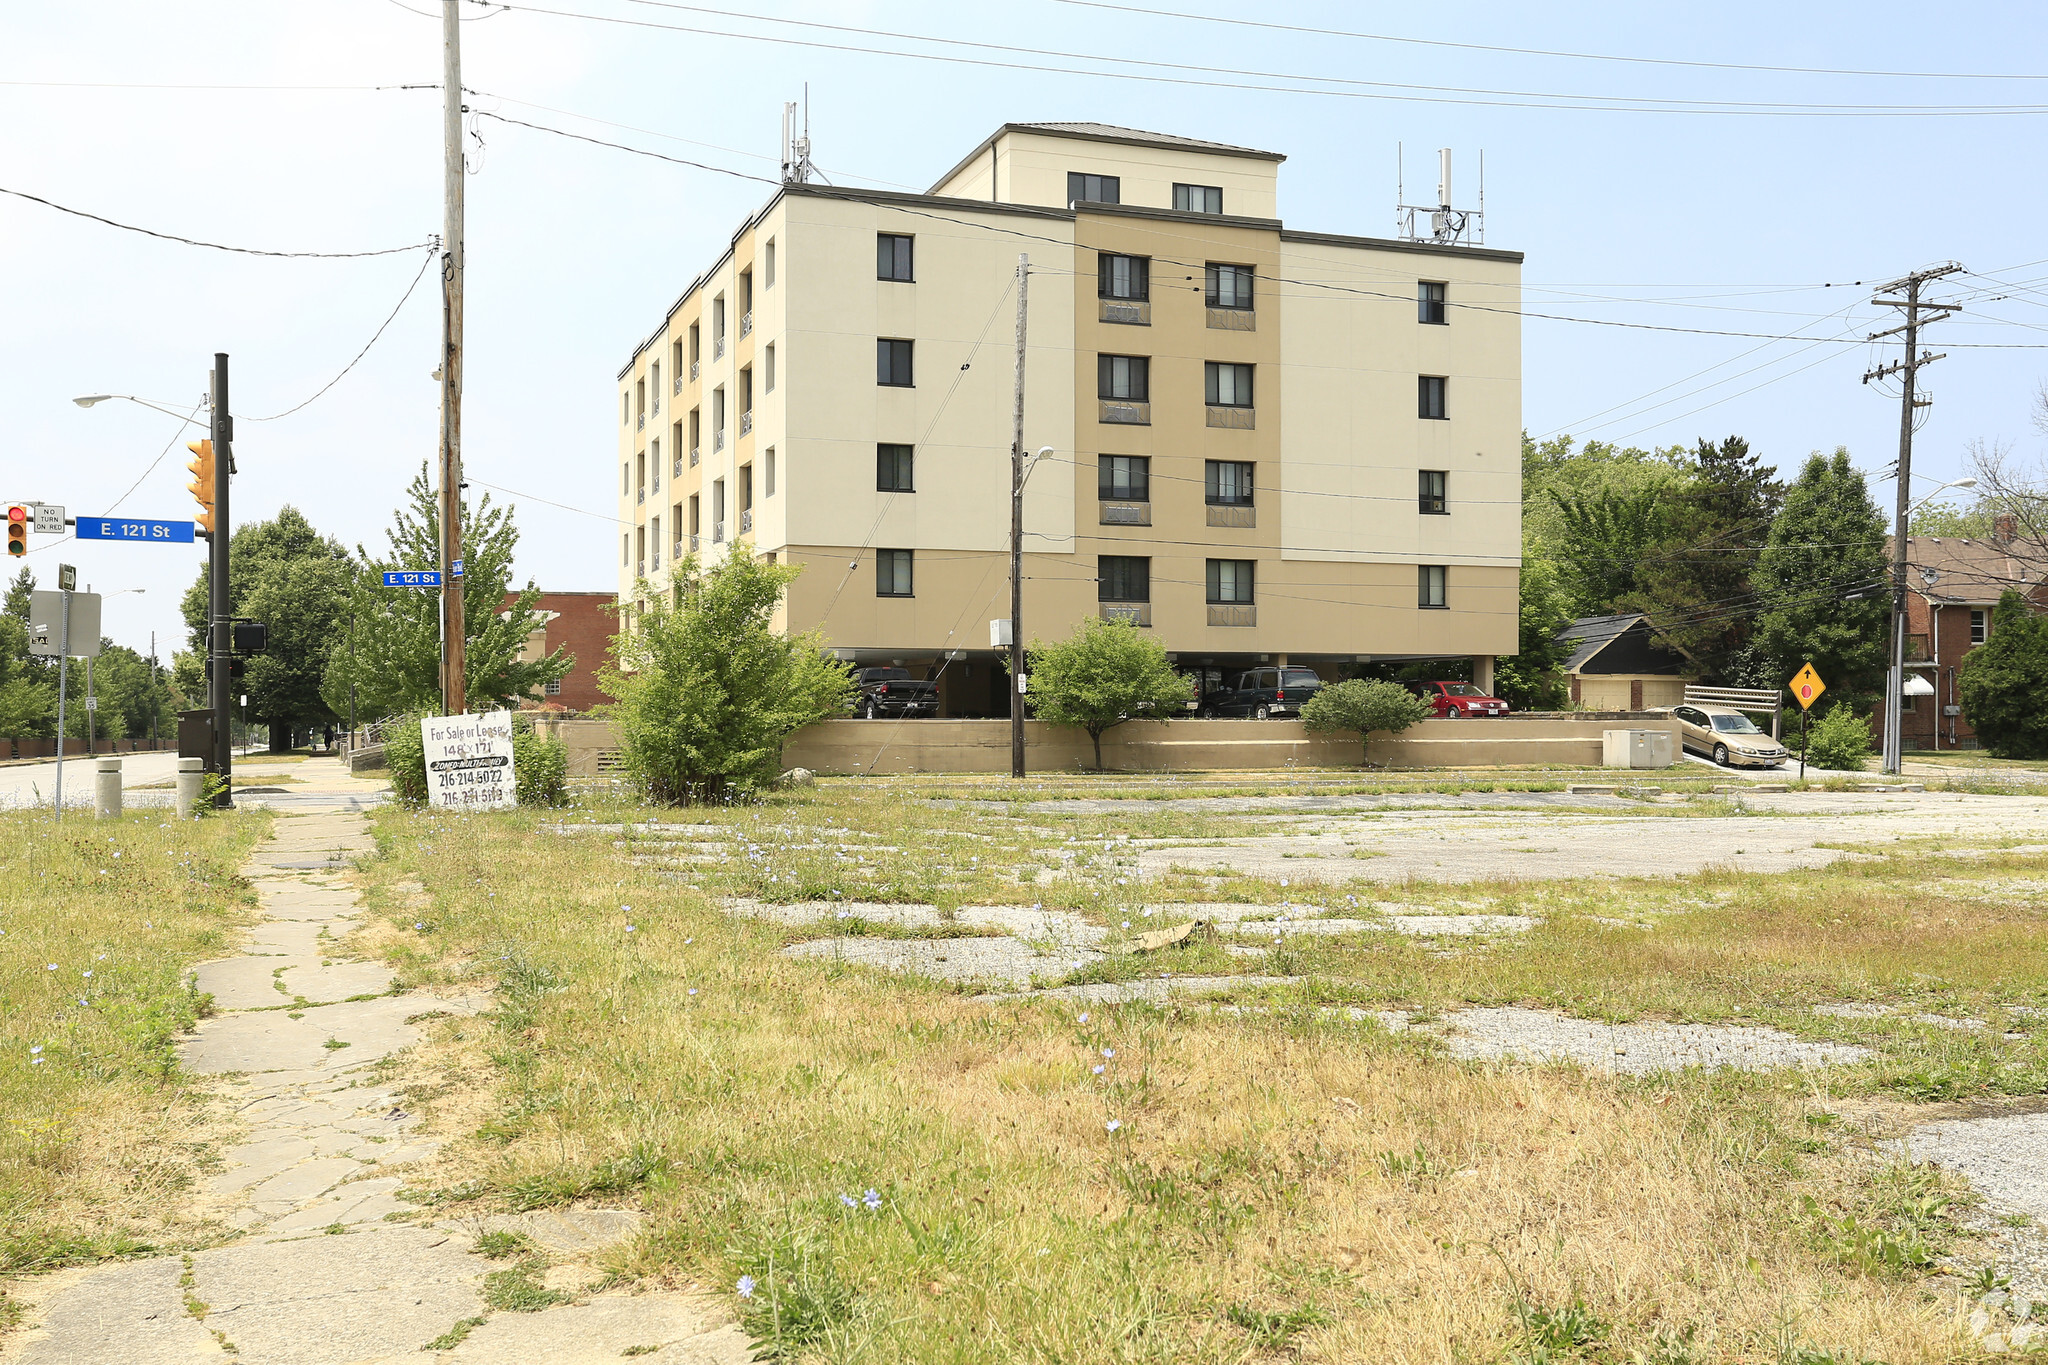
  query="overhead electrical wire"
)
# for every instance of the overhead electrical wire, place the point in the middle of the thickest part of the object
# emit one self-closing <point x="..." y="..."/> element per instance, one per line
<point x="214" y="246"/>
<point x="432" y="252"/>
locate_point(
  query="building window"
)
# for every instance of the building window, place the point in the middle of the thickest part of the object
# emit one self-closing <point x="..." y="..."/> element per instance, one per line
<point x="1198" y="198"/>
<point x="746" y="472"/>
<point x="1432" y="397"/>
<point x="696" y="346"/>
<point x="718" y="327"/>
<point x="1429" y="303"/>
<point x="640" y="472"/>
<point x="1123" y="578"/>
<point x="718" y="418"/>
<point x="1227" y="483"/>
<point x="768" y="474"/>
<point x="1230" y="286"/>
<point x="625" y="409"/>
<point x="1124" y="478"/>
<point x="1123" y="277"/>
<point x="553" y="687"/>
<point x="1127" y="378"/>
<point x="1980" y="625"/>
<point x="654" y="454"/>
<point x="768" y="265"/>
<point x="654" y="373"/>
<point x="1229" y="386"/>
<point x="894" y="469"/>
<point x="1431" y="489"/>
<point x="892" y="573"/>
<point x="892" y="363"/>
<point x="654" y="538"/>
<point x="625" y="478"/>
<point x="696" y="515"/>
<point x="625" y="550"/>
<point x="746" y="389"/>
<point x="1230" y="582"/>
<point x="768" y="368"/>
<point x="676" y="449"/>
<point x="893" y="256"/>
<point x="1429" y="585"/>
<point x="696" y="432"/>
<point x="746" y="292"/>
<point x="1093" y="189"/>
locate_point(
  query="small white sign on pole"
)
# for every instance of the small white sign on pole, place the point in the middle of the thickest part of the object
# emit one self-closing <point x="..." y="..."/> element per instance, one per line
<point x="469" y="761"/>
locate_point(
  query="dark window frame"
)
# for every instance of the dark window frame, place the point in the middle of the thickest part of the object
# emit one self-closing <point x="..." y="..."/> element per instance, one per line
<point x="1139" y="372"/>
<point x="1433" y="397"/>
<point x="888" y="562"/>
<point x="895" y="467"/>
<point x="1438" y="578"/>
<point x="1432" y="303"/>
<point x="1078" y="185"/>
<point x="1123" y="578"/>
<point x="1245" y="587"/>
<point x="1137" y="478"/>
<point x="901" y="265"/>
<point x="1140" y="276"/>
<point x="1213" y="494"/>
<point x="1433" y="492"/>
<point x="1240" y="274"/>
<point x="895" y="369"/>
<point x="1212" y="386"/>
<point x="1184" y="196"/>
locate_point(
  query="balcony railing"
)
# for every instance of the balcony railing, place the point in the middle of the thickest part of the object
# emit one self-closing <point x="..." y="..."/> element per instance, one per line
<point x="1234" y="319"/>
<point x="1237" y="419"/>
<point x="717" y="347"/>
<point x="1233" y="614"/>
<point x="746" y="521"/>
<point x="679" y="380"/>
<point x="693" y="457"/>
<point x="657" y="398"/>
<point x="1233" y="514"/>
<point x="1136" y="311"/>
<point x="746" y="422"/>
<point x="677" y="472"/>
<point x="640" y="569"/>
<point x="1126" y="514"/>
<point x="656" y="562"/>
<point x="690" y="542"/>
<point x="640" y="495"/>
<point x="717" y="532"/>
<point x="747" y="323"/>
<point x="693" y="542"/>
<point x="1135" y="613"/>
<point x="718" y="439"/>
<point x="641" y="425"/>
<point x="693" y="371"/>
<point x="1126" y="413"/>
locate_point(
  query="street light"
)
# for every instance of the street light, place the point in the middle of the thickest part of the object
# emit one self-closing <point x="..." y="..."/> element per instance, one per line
<point x="89" y="399"/>
<point x="1895" y="676"/>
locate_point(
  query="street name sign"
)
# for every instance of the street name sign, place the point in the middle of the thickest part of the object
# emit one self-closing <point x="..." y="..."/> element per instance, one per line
<point x="1807" y="687"/>
<point x="469" y="761"/>
<point x="412" y="578"/>
<point x="135" y="530"/>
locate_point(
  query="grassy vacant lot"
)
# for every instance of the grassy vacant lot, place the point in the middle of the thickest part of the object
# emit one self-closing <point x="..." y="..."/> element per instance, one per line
<point x="101" y="920"/>
<point x="905" y="1174"/>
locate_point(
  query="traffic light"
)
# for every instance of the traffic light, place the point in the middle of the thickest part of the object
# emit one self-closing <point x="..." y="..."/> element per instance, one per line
<point x="17" y="531"/>
<point x="201" y="487"/>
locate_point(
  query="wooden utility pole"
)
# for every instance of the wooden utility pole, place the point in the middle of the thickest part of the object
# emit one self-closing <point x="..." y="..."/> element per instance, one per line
<point x="454" y="682"/>
<point x="1918" y="313"/>
<point x="1017" y="537"/>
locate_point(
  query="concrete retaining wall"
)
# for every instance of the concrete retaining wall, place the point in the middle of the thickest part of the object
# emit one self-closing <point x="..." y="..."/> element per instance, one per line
<point x="983" y="746"/>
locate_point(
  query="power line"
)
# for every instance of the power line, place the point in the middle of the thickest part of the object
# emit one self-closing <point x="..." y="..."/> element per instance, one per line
<point x="216" y="246"/>
<point x="1549" y="52"/>
<point x="431" y="253"/>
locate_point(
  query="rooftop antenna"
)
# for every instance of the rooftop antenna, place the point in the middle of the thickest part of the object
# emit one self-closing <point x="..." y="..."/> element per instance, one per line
<point x="796" y="142"/>
<point x="1448" y="225"/>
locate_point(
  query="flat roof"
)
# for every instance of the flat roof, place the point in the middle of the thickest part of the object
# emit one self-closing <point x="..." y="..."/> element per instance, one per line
<point x="1110" y="133"/>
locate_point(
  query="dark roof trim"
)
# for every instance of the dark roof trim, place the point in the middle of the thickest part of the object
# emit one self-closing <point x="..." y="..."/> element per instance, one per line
<point x="1180" y="216"/>
<point x="1041" y="130"/>
<point x="1484" y="253"/>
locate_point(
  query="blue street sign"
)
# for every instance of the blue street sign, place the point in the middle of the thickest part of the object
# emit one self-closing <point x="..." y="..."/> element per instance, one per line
<point x="137" y="529"/>
<point x="412" y="578"/>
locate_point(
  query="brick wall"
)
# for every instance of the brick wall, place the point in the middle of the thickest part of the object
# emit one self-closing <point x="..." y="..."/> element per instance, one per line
<point x="584" y="623"/>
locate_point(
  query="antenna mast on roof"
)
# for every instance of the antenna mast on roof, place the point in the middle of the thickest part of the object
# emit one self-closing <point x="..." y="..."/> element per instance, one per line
<point x="796" y="142"/>
<point x="1447" y="225"/>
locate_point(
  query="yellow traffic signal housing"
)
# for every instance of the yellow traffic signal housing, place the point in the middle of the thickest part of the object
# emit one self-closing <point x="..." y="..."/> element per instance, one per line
<point x="17" y="531"/>
<point x="201" y="487"/>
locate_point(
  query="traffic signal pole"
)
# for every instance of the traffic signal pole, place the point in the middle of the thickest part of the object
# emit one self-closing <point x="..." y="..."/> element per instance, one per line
<point x="219" y="641"/>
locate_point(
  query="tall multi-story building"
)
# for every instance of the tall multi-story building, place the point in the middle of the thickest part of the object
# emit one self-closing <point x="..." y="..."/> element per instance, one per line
<point x="1267" y="444"/>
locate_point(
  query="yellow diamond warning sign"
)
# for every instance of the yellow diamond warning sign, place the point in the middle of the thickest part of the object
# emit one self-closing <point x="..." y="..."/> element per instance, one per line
<point x="1807" y="687"/>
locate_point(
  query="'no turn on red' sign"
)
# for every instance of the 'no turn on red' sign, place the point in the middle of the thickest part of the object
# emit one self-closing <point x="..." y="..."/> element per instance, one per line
<point x="1807" y="687"/>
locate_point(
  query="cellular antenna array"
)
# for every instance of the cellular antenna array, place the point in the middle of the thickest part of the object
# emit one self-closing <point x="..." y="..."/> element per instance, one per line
<point x="1447" y="225"/>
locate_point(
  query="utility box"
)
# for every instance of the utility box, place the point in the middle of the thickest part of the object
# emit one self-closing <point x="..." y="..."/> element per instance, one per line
<point x="1636" y="749"/>
<point x="195" y="737"/>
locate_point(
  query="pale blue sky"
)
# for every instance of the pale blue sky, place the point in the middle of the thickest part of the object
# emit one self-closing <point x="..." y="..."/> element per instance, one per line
<point x="1727" y="222"/>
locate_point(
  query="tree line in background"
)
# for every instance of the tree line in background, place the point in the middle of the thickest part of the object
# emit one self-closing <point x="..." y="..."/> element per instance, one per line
<point x="137" y="699"/>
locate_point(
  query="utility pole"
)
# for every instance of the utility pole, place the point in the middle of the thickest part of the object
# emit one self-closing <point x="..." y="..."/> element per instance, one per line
<point x="220" y="629"/>
<point x="1017" y="537"/>
<point x="1918" y="313"/>
<point x="454" y="683"/>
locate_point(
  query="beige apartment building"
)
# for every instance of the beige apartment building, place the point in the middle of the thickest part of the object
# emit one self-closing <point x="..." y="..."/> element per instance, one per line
<point x="1267" y="445"/>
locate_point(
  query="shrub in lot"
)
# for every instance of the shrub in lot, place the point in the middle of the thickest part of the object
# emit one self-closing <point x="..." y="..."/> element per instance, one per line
<point x="2002" y="682"/>
<point x="707" y="691"/>
<point x="1839" y="739"/>
<point x="1359" y="706"/>
<point x="1102" y="675"/>
<point x="540" y="766"/>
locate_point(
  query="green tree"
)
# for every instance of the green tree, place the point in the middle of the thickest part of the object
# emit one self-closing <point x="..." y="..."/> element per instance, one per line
<point x="27" y="706"/>
<point x="134" y="698"/>
<point x="1840" y="739"/>
<point x="1595" y="511"/>
<point x="387" y="641"/>
<point x="1361" y="707"/>
<point x="1533" y="678"/>
<point x="1828" y="542"/>
<point x="2002" y="682"/>
<point x="706" y="691"/>
<point x="1102" y="675"/>
<point x="285" y="574"/>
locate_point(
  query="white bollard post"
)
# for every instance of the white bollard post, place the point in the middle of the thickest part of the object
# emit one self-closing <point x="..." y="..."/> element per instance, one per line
<point x="190" y="772"/>
<point x="106" y="790"/>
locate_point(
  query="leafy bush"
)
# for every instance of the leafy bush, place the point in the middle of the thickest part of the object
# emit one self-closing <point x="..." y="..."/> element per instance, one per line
<point x="540" y="766"/>
<point x="1839" y="739"/>
<point x="707" y="691"/>
<point x="1361" y="707"/>
<point x="2002" y="682"/>
<point x="1102" y="675"/>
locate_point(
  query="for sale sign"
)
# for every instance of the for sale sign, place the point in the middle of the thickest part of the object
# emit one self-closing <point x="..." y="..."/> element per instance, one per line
<point x="469" y="761"/>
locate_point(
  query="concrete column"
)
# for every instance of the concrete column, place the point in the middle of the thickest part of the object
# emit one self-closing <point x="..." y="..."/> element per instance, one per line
<point x="190" y="772"/>
<point x="106" y="790"/>
<point x="1482" y="673"/>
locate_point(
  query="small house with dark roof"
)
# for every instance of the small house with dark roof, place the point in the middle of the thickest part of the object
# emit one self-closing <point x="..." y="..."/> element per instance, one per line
<point x="1617" y="664"/>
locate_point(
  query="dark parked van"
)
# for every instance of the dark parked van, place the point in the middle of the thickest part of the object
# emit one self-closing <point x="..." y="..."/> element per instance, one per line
<point x="1262" y="693"/>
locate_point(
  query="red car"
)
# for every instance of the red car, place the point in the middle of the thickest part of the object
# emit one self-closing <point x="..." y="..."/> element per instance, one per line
<point x="1450" y="700"/>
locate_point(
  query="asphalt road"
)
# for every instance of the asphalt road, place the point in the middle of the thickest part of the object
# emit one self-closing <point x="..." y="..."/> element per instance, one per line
<point x="35" y="784"/>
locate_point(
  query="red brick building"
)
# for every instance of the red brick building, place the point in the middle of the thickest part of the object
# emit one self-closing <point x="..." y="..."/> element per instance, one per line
<point x="585" y="623"/>
<point x="1953" y="583"/>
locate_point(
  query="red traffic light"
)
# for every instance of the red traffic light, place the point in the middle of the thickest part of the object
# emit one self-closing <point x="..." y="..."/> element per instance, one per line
<point x="17" y="531"/>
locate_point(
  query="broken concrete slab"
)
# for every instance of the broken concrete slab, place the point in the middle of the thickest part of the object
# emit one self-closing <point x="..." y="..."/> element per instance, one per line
<point x="367" y="1030"/>
<point x="605" y="1329"/>
<point x="1006" y="960"/>
<point x="1539" y="1036"/>
<point x="132" y="1312"/>
<point x="1153" y="989"/>
<point x="2005" y="1156"/>
<point x="570" y="1231"/>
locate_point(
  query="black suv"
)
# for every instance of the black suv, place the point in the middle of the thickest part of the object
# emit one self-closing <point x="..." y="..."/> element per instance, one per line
<point x="1262" y="693"/>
